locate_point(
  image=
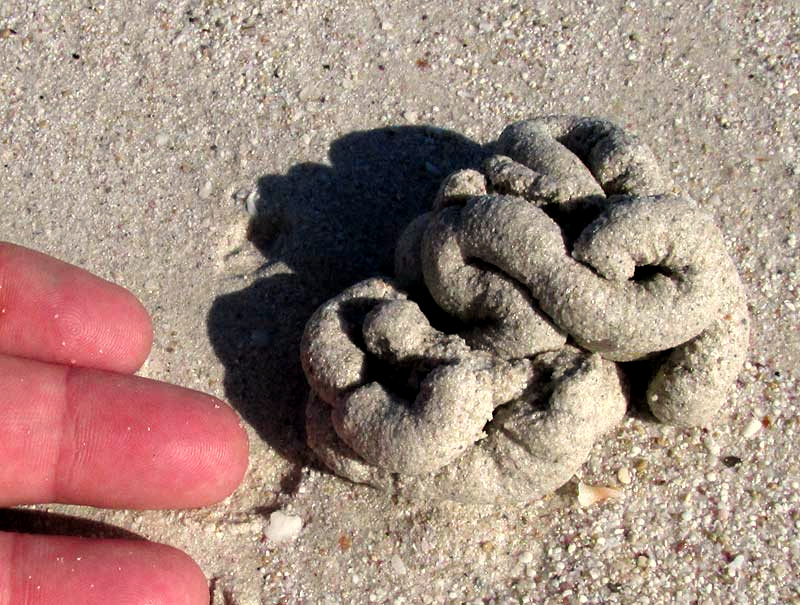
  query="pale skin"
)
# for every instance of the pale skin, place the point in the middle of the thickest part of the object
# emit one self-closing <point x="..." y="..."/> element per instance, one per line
<point x="76" y="426"/>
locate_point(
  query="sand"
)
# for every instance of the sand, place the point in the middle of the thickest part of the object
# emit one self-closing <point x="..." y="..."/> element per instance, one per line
<point x="131" y="140"/>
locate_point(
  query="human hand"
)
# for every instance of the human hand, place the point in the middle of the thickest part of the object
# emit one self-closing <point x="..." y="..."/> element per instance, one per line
<point x="77" y="427"/>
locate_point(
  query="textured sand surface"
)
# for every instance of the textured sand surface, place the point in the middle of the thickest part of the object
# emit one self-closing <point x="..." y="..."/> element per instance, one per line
<point x="132" y="138"/>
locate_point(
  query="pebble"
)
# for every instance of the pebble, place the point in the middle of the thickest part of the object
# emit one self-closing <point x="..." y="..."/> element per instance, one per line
<point x="712" y="447"/>
<point x="398" y="566"/>
<point x="526" y="557"/>
<point x="240" y="194"/>
<point x="751" y="428"/>
<point x="624" y="476"/>
<point x="735" y="565"/>
<point x="206" y="190"/>
<point x="308" y="93"/>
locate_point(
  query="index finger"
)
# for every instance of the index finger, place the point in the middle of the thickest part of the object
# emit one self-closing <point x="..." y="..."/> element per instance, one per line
<point x="58" y="313"/>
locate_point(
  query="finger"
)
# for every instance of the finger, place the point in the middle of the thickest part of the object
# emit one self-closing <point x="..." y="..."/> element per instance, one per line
<point x="82" y="436"/>
<point x="55" y="312"/>
<point x="67" y="571"/>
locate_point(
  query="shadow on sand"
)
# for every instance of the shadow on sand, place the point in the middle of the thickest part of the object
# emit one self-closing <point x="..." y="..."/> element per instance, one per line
<point x="52" y="524"/>
<point x="332" y="226"/>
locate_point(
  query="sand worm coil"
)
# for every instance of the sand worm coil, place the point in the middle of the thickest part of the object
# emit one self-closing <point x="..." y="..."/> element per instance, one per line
<point x="564" y="255"/>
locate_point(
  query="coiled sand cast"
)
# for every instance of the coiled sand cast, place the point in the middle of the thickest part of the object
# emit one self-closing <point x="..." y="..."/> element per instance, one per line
<point x="565" y="254"/>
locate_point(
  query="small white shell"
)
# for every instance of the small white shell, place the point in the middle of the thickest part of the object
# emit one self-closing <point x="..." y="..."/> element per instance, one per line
<point x="252" y="202"/>
<point x="591" y="494"/>
<point x="283" y="527"/>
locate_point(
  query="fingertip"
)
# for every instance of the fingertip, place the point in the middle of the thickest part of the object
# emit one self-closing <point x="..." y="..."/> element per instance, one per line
<point x="73" y="571"/>
<point x="226" y="456"/>
<point x="176" y="579"/>
<point x="136" y="336"/>
<point x="59" y="313"/>
<point x="104" y="325"/>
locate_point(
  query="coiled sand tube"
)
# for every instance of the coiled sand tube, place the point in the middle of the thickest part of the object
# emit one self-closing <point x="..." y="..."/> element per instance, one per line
<point x="480" y="429"/>
<point x="597" y="305"/>
<point x="330" y="353"/>
<point x="568" y="232"/>
<point x="695" y="380"/>
<point x="581" y="156"/>
<point x="535" y="443"/>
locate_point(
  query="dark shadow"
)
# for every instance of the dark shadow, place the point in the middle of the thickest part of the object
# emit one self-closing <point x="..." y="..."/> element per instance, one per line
<point x="638" y="375"/>
<point x="333" y="226"/>
<point x="51" y="524"/>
